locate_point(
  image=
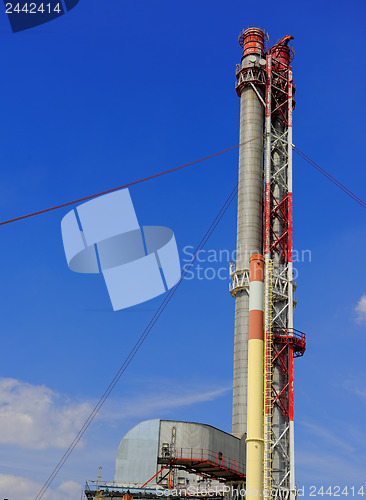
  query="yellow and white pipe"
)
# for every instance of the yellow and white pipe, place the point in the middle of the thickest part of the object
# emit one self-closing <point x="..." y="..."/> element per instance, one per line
<point x="255" y="438"/>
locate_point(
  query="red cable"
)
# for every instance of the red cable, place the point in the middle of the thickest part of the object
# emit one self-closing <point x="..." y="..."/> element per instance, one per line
<point x="154" y="476"/>
<point x="299" y="152"/>
<point x="127" y="185"/>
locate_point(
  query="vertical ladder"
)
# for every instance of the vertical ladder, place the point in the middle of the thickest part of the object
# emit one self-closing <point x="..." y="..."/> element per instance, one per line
<point x="268" y="309"/>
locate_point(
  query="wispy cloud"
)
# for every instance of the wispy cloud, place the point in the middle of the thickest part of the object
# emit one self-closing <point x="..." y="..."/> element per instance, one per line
<point x="327" y="436"/>
<point x="361" y="309"/>
<point x="355" y="386"/>
<point x="166" y="400"/>
<point x="35" y="417"/>
<point x="20" y="488"/>
<point x="328" y="469"/>
<point x="330" y="454"/>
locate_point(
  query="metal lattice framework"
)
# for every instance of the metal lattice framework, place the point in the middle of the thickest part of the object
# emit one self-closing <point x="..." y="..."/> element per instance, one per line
<point x="286" y="342"/>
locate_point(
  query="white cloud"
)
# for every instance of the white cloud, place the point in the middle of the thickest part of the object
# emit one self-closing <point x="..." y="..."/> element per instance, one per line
<point x="70" y="488"/>
<point x="355" y="386"/>
<point x="328" y="468"/>
<point x="168" y="399"/>
<point x="328" y="437"/>
<point x="20" y="488"/>
<point x="361" y="309"/>
<point x="330" y="454"/>
<point x="35" y="417"/>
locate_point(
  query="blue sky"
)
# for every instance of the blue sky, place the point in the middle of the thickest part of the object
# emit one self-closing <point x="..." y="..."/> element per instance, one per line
<point x="116" y="91"/>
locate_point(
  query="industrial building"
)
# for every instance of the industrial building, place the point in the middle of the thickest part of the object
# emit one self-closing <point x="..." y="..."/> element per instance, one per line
<point x="159" y="458"/>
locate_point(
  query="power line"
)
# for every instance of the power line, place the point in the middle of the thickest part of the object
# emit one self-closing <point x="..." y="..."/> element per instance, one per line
<point x="85" y="198"/>
<point x="128" y="184"/>
<point x="137" y="346"/>
<point x="330" y="177"/>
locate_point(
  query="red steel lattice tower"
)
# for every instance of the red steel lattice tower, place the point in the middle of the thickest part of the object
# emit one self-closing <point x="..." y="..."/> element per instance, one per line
<point x="265" y="86"/>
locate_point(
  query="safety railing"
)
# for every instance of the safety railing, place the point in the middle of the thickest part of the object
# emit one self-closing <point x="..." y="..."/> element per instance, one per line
<point x="289" y="332"/>
<point x="292" y="337"/>
<point x="214" y="457"/>
<point x="91" y="484"/>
